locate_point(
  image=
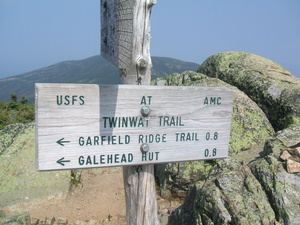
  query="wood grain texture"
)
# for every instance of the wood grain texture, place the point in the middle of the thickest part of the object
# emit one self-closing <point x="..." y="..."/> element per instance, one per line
<point x="185" y="124"/>
<point x="117" y="31"/>
<point x="125" y="38"/>
<point x="141" y="205"/>
<point x="139" y="182"/>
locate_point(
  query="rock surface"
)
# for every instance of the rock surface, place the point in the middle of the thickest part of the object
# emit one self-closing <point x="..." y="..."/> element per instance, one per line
<point x="259" y="192"/>
<point x="272" y="87"/>
<point x="252" y="186"/>
<point x="293" y="166"/>
<point x="282" y="188"/>
<point x="19" y="181"/>
<point x="249" y="127"/>
<point x="230" y="194"/>
<point x="249" y="123"/>
<point x="18" y="219"/>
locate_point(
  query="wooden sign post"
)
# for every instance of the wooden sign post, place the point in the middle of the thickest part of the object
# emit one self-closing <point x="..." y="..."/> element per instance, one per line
<point x="125" y="38"/>
<point x="133" y="125"/>
<point x="125" y="41"/>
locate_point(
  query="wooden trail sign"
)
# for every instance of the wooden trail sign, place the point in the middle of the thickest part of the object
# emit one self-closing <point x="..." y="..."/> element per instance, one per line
<point x="86" y="126"/>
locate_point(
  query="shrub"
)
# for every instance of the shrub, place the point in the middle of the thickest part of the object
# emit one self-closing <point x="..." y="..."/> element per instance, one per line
<point x="14" y="112"/>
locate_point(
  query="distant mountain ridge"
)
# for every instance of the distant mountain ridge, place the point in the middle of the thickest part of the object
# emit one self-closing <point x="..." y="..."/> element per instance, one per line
<point x="92" y="70"/>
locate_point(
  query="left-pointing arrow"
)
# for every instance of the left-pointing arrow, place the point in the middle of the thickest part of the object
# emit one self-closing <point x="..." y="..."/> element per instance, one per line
<point x="62" y="161"/>
<point x="61" y="142"/>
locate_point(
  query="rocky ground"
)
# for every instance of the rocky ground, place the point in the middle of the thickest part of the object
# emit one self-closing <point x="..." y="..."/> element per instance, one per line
<point x="99" y="199"/>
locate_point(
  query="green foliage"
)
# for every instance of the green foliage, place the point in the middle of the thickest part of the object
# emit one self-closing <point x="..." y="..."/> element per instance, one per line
<point x="14" y="112"/>
<point x="14" y="97"/>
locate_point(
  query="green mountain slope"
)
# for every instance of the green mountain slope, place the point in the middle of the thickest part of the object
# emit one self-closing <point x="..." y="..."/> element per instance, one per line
<point x="93" y="70"/>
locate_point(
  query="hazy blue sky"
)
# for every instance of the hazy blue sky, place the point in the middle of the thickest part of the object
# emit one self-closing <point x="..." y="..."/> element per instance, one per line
<point x="38" y="33"/>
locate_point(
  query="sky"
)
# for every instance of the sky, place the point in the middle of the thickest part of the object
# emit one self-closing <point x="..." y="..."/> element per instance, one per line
<point x="38" y="33"/>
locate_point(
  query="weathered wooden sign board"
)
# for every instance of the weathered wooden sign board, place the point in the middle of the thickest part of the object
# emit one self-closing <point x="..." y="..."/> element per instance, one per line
<point x="85" y="126"/>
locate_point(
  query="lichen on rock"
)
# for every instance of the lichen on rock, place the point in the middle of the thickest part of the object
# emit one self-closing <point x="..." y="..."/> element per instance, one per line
<point x="271" y="86"/>
<point x="249" y="127"/>
<point x="249" y="123"/>
<point x="20" y="183"/>
<point x="230" y="195"/>
<point x="281" y="187"/>
<point x="18" y="219"/>
<point x="252" y="186"/>
<point x="258" y="192"/>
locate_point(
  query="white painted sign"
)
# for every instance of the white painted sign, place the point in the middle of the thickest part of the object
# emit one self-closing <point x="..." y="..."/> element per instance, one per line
<point x="85" y="126"/>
